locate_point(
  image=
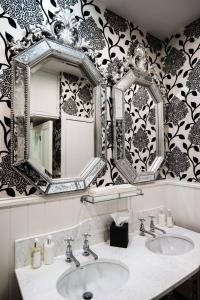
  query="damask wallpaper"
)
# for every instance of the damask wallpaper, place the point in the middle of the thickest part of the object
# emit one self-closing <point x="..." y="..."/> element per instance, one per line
<point x="182" y="80"/>
<point x="140" y="127"/>
<point x="114" y="37"/>
<point x="76" y="96"/>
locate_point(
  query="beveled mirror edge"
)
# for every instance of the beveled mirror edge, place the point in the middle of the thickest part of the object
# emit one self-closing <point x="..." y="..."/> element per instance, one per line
<point x="123" y="164"/>
<point x="93" y="169"/>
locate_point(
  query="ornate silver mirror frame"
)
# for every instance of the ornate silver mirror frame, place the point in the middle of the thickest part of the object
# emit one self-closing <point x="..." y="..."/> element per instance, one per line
<point x="59" y="40"/>
<point x="137" y="74"/>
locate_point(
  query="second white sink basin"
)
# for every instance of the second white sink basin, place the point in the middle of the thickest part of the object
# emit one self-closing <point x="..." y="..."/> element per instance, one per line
<point x="169" y="244"/>
<point x="95" y="280"/>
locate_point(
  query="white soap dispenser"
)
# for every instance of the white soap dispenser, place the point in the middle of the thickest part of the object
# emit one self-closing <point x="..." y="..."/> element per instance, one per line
<point x="36" y="255"/>
<point x="161" y="218"/>
<point x="48" y="251"/>
<point x="170" y="222"/>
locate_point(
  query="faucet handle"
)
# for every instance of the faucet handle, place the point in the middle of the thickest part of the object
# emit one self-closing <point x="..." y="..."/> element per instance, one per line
<point x="152" y="225"/>
<point x="142" y="229"/>
<point x="86" y="250"/>
<point x="86" y="235"/>
<point x="141" y="220"/>
<point x="152" y="217"/>
<point x="69" y="240"/>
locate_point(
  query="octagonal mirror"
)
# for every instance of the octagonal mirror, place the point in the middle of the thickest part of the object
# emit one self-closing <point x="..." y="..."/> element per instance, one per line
<point x="59" y="111"/>
<point x="138" y="126"/>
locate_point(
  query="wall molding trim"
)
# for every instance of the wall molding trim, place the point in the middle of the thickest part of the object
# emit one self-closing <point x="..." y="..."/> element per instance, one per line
<point x="194" y="185"/>
<point x="8" y="202"/>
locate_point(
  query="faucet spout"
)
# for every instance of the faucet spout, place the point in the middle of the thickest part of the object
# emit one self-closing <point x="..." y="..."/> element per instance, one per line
<point x="151" y="233"/>
<point x="73" y="258"/>
<point x="153" y="227"/>
<point x="92" y="253"/>
<point x="162" y="230"/>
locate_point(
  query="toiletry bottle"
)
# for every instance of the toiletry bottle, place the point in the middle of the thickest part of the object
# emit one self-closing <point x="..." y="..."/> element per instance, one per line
<point x="161" y="218"/>
<point x="36" y="255"/>
<point x="169" y="218"/>
<point x="49" y="251"/>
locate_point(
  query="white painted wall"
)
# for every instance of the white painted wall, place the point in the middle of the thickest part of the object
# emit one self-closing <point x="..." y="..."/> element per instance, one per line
<point x="35" y="215"/>
<point x="44" y="94"/>
<point x="77" y="149"/>
<point x="184" y="200"/>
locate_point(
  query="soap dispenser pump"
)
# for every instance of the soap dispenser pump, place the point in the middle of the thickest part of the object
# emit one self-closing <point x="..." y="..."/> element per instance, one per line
<point x="49" y="251"/>
<point x="36" y="255"/>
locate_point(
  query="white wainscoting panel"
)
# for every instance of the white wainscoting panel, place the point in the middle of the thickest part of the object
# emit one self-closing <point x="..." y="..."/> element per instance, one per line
<point x="24" y="217"/>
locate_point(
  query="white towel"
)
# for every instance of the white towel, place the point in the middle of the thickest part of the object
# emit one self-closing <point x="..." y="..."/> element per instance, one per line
<point x="120" y="217"/>
<point x="109" y="190"/>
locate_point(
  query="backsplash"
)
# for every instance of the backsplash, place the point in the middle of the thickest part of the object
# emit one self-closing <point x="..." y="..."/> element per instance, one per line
<point x="182" y="80"/>
<point x="97" y="226"/>
<point x="113" y="36"/>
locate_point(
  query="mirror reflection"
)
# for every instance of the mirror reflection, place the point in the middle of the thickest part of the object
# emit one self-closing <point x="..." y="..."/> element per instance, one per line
<point x="140" y="127"/>
<point x="61" y="103"/>
<point x="59" y="123"/>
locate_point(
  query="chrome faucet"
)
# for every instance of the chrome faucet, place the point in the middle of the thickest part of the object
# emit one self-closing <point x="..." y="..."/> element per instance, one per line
<point x="69" y="255"/>
<point x="143" y="230"/>
<point x="153" y="227"/>
<point x="86" y="248"/>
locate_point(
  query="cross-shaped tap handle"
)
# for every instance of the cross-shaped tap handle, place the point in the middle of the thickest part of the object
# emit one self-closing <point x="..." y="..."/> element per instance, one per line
<point x="152" y="217"/>
<point x="86" y="235"/>
<point x="69" y="240"/>
<point x="141" y="220"/>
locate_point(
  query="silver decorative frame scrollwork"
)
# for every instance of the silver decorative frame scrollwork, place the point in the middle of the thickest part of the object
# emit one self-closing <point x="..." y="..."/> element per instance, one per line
<point x="142" y="77"/>
<point x="30" y="57"/>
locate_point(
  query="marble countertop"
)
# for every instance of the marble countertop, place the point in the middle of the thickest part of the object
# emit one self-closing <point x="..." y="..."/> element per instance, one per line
<point x="151" y="275"/>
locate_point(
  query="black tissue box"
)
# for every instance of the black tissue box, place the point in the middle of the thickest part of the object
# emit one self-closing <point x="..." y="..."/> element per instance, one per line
<point x="119" y="235"/>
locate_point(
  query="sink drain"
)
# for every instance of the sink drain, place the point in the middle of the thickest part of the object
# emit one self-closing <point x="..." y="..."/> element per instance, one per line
<point x="87" y="295"/>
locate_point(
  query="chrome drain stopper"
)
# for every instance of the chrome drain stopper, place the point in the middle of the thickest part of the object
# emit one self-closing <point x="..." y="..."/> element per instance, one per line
<point x="87" y="295"/>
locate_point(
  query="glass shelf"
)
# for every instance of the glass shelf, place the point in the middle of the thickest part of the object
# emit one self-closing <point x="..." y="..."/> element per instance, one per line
<point x="115" y="195"/>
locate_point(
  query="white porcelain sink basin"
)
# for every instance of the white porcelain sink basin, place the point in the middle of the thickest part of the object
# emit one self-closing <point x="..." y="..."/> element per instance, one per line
<point x="169" y="244"/>
<point x="95" y="280"/>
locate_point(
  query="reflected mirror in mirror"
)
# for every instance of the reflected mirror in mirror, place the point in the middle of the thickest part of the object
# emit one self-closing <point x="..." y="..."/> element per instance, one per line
<point x="140" y="127"/>
<point x="62" y="120"/>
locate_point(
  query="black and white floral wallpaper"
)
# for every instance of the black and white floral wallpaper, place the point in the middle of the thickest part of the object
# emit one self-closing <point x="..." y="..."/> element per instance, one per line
<point x="140" y="129"/>
<point x="181" y="59"/>
<point x="76" y="96"/>
<point x="176" y="62"/>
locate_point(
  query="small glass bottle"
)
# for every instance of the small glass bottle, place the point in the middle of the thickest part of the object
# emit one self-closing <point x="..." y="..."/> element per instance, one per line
<point x="36" y="255"/>
<point x="170" y="222"/>
<point x="161" y="218"/>
<point x="49" y="251"/>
